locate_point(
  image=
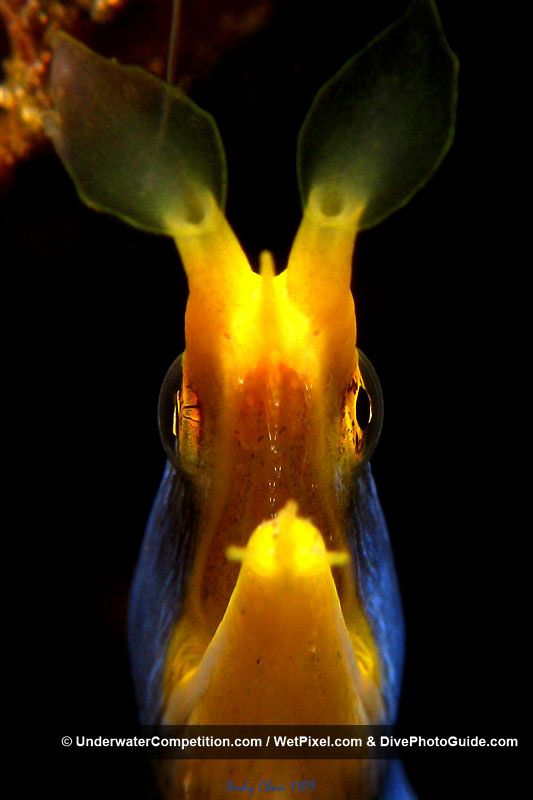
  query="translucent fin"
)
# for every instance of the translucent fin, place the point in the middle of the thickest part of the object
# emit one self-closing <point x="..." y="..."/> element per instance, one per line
<point x="134" y="146"/>
<point x="379" y="129"/>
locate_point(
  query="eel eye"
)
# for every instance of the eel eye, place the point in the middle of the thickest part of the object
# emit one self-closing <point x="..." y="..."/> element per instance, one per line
<point x="362" y="414"/>
<point x="179" y="419"/>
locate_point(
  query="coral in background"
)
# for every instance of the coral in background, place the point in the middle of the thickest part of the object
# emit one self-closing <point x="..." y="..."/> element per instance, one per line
<point x="135" y="31"/>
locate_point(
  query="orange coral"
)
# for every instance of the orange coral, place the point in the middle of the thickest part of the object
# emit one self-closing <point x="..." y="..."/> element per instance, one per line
<point x="208" y="29"/>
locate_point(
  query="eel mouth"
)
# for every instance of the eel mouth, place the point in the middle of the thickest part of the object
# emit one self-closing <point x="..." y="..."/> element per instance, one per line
<point x="283" y="652"/>
<point x="281" y="655"/>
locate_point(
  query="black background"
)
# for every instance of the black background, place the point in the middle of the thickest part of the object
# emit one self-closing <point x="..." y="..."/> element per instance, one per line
<point x="95" y="316"/>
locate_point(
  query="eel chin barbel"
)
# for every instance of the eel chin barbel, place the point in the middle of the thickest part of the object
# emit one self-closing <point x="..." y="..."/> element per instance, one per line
<point x="265" y="591"/>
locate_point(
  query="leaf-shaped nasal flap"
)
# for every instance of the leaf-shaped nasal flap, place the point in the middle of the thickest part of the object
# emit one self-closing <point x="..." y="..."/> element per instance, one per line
<point x="134" y="146"/>
<point x="378" y="130"/>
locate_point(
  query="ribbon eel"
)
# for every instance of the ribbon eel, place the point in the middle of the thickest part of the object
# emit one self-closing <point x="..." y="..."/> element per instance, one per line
<point x="265" y="591"/>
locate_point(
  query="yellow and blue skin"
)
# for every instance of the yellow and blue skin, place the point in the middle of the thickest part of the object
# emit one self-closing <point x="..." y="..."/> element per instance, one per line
<point x="265" y="591"/>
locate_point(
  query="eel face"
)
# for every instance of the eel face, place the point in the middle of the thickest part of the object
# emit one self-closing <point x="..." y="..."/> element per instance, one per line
<point x="265" y="591"/>
<point x="272" y="374"/>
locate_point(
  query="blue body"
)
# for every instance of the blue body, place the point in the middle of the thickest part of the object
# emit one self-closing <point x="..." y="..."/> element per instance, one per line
<point x="161" y="577"/>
